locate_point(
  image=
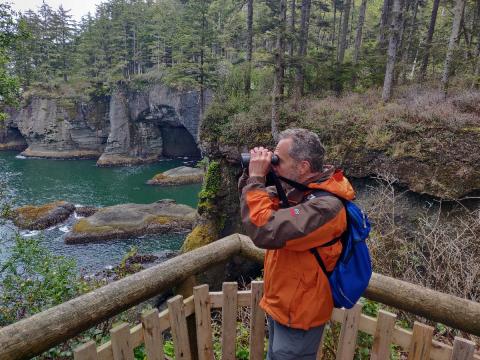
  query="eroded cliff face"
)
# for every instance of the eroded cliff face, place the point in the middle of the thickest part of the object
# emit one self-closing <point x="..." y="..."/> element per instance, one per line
<point x="144" y="126"/>
<point x="10" y="137"/>
<point x="56" y="130"/>
<point x="127" y="127"/>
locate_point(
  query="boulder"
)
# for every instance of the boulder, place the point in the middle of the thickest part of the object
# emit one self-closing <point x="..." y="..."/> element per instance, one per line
<point x="178" y="176"/>
<point x="41" y="217"/>
<point x="129" y="220"/>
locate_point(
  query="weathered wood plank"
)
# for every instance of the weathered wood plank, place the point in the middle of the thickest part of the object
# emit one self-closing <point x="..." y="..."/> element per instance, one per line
<point x="178" y="324"/>
<point x="257" y="322"/>
<point x="104" y="351"/>
<point x="153" y="336"/>
<point x="348" y="335"/>
<point x="421" y="343"/>
<point x="229" y="320"/>
<point x="204" y="322"/>
<point x="87" y="351"/>
<point x="121" y="345"/>
<point x="216" y="298"/>
<point x="383" y="335"/>
<point x="463" y="349"/>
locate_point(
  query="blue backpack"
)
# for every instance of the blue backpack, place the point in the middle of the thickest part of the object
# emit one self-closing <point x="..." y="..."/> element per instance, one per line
<point x="353" y="270"/>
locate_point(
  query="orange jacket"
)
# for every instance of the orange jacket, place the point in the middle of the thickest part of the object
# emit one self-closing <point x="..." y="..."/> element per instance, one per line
<point x="296" y="291"/>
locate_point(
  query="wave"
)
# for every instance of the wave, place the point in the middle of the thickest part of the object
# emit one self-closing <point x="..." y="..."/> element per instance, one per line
<point x="29" y="233"/>
<point x="20" y="157"/>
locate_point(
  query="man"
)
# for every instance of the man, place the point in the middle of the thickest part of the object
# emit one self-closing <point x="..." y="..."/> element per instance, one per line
<point x="297" y="297"/>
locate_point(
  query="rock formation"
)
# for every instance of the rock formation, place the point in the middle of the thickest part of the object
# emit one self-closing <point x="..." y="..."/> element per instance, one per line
<point x="127" y="127"/>
<point x="131" y="220"/>
<point x="41" y="217"/>
<point x="178" y="176"/>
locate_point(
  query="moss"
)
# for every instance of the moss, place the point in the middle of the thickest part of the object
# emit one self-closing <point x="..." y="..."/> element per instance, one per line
<point x="201" y="235"/>
<point x="30" y="213"/>
<point x="84" y="226"/>
<point x="211" y="186"/>
<point x="160" y="220"/>
<point x="160" y="177"/>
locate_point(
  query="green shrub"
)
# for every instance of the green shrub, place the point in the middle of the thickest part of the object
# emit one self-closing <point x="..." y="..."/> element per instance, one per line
<point x="32" y="280"/>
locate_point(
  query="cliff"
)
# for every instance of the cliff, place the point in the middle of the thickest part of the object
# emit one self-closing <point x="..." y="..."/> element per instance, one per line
<point x="428" y="144"/>
<point x="129" y="126"/>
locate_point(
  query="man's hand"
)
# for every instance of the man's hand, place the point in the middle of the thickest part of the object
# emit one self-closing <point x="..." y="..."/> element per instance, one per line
<point x="260" y="161"/>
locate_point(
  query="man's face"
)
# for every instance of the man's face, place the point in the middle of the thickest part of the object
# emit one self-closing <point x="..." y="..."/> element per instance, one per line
<point x="287" y="167"/>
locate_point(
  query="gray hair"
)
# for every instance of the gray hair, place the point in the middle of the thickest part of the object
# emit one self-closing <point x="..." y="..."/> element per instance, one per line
<point x="306" y="145"/>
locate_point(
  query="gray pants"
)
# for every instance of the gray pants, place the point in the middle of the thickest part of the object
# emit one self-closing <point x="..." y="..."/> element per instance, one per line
<point x="285" y="343"/>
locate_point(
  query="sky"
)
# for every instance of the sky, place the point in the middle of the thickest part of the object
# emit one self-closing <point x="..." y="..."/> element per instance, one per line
<point x="78" y="7"/>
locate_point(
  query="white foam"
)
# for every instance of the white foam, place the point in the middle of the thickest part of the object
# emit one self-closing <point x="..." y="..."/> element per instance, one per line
<point x="64" y="229"/>
<point x="29" y="233"/>
<point x="77" y="216"/>
<point x="20" y="157"/>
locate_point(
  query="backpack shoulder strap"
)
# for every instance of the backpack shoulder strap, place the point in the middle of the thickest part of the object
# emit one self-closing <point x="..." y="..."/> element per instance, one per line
<point x="314" y="251"/>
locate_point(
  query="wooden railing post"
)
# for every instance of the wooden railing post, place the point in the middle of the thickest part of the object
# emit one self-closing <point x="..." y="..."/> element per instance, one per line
<point x="383" y="335"/>
<point x="229" y="320"/>
<point x="463" y="349"/>
<point x="257" y="322"/>
<point x="204" y="322"/>
<point x="348" y="335"/>
<point x="87" y="351"/>
<point x="152" y="335"/>
<point x="421" y="343"/>
<point x="121" y="347"/>
<point x="178" y="324"/>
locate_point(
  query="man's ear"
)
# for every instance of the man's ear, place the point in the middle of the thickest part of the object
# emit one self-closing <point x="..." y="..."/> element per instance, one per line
<point x="305" y="167"/>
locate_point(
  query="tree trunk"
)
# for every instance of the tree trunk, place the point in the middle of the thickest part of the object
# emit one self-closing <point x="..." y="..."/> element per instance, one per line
<point x="343" y="36"/>
<point x="291" y="45"/>
<point x="202" y="63"/>
<point x="392" y="49"/>
<point x="278" y="80"/>
<point x="334" y="22"/>
<point x="358" y="36"/>
<point x="248" y="72"/>
<point x="476" y="74"/>
<point x="382" y="33"/>
<point x="452" y="45"/>
<point x="358" y="39"/>
<point x="302" y="49"/>
<point x="409" y="40"/>
<point x="428" y="40"/>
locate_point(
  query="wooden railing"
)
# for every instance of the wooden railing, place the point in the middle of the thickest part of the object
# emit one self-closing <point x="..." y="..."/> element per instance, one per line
<point x="40" y="332"/>
<point x="418" y="343"/>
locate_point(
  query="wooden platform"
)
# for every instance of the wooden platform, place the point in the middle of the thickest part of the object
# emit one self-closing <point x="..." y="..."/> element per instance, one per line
<point x="418" y="343"/>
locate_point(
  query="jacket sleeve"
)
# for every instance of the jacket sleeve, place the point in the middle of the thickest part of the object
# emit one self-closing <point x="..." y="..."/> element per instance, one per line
<point x="298" y="228"/>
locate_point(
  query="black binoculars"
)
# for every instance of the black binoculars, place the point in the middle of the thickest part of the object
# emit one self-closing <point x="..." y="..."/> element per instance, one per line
<point x="245" y="159"/>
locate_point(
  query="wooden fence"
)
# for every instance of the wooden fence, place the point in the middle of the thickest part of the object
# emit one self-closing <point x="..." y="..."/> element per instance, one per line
<point x="418" y="343"/>
<point x="40" y="332"/>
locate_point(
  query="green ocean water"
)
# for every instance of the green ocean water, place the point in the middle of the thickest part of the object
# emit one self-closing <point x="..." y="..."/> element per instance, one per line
<point x="39" y="181"/>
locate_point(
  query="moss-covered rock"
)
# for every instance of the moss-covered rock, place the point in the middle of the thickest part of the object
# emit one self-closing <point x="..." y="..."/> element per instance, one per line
<point x="202" y="234"/>
<point x="129" y="220"/>
<point x="42" y="216"/>
<point x="182" y="175"/>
